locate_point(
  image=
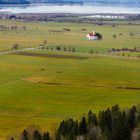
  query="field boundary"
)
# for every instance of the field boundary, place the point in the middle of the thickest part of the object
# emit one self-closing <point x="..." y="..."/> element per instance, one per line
<point x="24" y="51"/>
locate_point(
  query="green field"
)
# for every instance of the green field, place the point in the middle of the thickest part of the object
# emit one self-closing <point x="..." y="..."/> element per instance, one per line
<point x="43" y="90"/>
<point x="36" y="33"/>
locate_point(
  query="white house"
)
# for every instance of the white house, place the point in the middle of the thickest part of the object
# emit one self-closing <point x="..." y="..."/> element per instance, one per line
<point x="92" y="36"/>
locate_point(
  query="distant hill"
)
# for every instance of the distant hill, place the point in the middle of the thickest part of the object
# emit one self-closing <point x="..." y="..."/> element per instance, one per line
<point x="14" y="2"/>
<point x="114" y="2"/>
<point x="121" y="2"/>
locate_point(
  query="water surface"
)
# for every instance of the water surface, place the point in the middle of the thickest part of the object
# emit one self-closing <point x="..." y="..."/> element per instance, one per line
<point x="57" y="8"/>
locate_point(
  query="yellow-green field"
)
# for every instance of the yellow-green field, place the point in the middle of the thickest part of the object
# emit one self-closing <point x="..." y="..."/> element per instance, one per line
<point x="43" y="90"/>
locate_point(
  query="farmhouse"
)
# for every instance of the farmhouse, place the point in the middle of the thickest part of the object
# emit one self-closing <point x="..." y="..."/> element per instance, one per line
<point x="93" y="36"/>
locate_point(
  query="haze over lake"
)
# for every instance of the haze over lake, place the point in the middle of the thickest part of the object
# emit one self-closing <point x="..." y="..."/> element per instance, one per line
<point x="58" y="8"/>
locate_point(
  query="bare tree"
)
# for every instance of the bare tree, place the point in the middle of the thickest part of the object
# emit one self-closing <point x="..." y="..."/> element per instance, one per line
<point x="15" y="46"/>
<point x="45" y="42"/>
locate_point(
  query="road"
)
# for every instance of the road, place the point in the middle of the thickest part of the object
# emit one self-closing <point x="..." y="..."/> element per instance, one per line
<point x="96" y="55"/>
<point x="14" y="51"/>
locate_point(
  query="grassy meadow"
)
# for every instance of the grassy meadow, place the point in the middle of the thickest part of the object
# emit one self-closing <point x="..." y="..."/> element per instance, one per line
<point x="44" y="90"/>
<point x="36" y="33"/>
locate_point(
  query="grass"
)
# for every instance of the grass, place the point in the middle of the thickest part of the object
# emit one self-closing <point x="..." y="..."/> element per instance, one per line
<point x="64" y="88"/>
<point x="36" y="33"/>
<point x="44" y="90"/>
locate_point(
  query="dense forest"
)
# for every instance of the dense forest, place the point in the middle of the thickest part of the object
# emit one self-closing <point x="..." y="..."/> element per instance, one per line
<point x="110" y="124"/>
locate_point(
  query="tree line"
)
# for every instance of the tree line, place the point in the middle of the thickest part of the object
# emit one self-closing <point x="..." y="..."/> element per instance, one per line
<point x="110" y="124"/>
<point x="13" y="27"/>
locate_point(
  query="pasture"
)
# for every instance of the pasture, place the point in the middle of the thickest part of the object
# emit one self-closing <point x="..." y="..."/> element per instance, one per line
<point x="36" y="33"/>
<point x="44" y="89"/>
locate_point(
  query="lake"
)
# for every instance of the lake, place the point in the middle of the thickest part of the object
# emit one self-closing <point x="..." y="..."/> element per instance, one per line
<point x="59" y="8"/>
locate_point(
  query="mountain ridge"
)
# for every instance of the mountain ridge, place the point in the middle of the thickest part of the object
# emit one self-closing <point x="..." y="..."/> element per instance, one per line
<point x="115" y="2"/>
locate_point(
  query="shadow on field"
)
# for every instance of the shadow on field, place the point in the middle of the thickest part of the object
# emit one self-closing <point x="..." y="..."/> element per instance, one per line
<point x="51" y="55"/>
<point x="129" y="88"/>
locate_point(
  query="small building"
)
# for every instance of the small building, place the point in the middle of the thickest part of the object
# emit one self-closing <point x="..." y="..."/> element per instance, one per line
<point x="92" y="36"/>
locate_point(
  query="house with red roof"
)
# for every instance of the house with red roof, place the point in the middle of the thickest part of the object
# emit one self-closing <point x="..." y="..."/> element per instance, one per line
<point x="92" y="36"/>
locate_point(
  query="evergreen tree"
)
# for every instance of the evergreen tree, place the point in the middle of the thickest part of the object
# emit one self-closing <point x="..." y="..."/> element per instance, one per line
<point x="71" y="130"/>
<point x="95" y="120"/>
<point x="108" y="123"/>
<point x="90" y="119"/>
<point x="121" y="131"/>
<point x="116" y="122"/>
<point x="61" y="129"/>
<point x="125" y="129"/>
<point x="115" y="113"/>
<point x="37" y="135"/>
<point x="68" y="129"/>
<point x="138" y="117"/>
<point x="116" y="130"/>
<point x="134" y="109"/>
<point x="132" y="117"/>
<point x="24" y="135"/>
<point x="83" y="126"/>
<point x="76" y="128"/>
<point x="102" y="120"/>
<point x="46" y="136"/>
